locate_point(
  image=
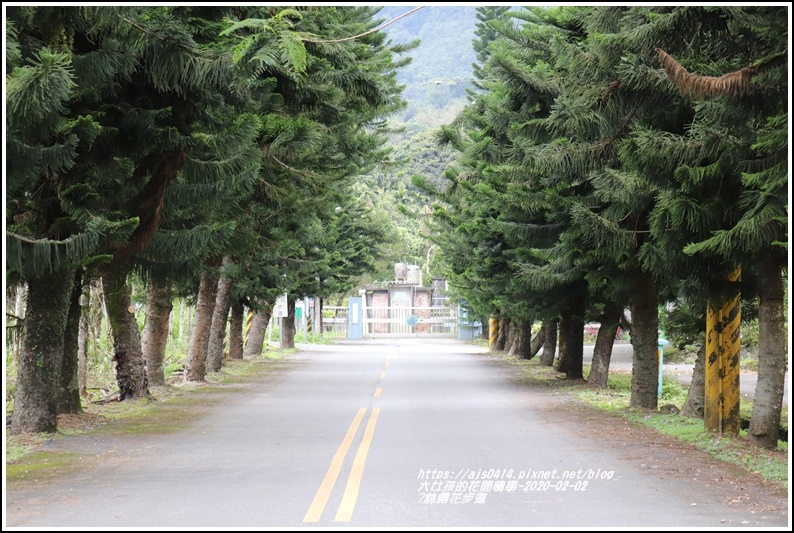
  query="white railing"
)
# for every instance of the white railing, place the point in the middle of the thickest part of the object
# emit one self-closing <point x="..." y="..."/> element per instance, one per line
<point x="335" y="321"/>
<point x="396" y="321"/>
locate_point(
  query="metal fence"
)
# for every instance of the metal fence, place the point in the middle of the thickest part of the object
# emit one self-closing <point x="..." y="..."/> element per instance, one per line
<point x="335" y="321"/>
<point x="410" y="321"/>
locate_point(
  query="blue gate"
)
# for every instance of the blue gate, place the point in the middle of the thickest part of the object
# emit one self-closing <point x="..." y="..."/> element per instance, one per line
<point x="355" y="315"/>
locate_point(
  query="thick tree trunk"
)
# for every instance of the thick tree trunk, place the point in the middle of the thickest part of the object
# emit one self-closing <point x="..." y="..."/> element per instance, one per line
<point x="288" y="326"/>
<point x="537" y="342"/>
<point x="644" y="340"/>
<point x="196" y="363"/>
<point x="128" y="354"/>
<point x="504" y="333"/>
<point x="696" y="396"/>
<point x="772" y="357"/>
<point x="159" y="304"/>
<point x="69" y="387"/>
<point x="549" y="343"/>
<point x="602" y="351"/>
<point x="39" y="364"/>
<point x="524" y="350"/>
<point x="572" y="341"/>
<point x="256" y="335"/>
<point x="236" y="325"/>
<point x="220" y="318"/>
<point x="512" y="339"/>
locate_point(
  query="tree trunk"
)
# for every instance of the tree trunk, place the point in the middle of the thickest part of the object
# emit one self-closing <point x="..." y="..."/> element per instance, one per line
<point x="128" y="354"/>
<point x="537" y="342"/>
<point x="288" y="326"/>
<point x="696" y="396"/>
<point x="319" y="326"/>
<point x="159" y="304"/>
<point x="69" y="389"/>
<point x="645" y="342"/>
<point x="572" y="340"/>
<point x="39" y="364"/>
<point x="524" y="350"/>
<point x="549" y="343"/>
<point x="236" y="325"/>
<point x="19" y="311"/>
<point x="196" y="363"/>
<point x="220" y="318"/>
<point x="562" y="356"/>
<point x="504" y="333"/>
<point x="772" y="357"/>
<point x="512" y="339"/>
<point x="82" y="350"/>
<point x="96" y="313"/>
<point x="181" y="320"/>
<point x="256" y="335"/>
<point x="602" y="351"/>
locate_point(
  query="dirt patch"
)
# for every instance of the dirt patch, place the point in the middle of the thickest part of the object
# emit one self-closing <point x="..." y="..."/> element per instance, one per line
<point x="80" y="423"/>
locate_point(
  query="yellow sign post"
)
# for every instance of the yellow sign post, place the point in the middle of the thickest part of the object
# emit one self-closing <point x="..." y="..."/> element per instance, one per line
<point x="493" y="332"/>
<point x="723" y="345"/>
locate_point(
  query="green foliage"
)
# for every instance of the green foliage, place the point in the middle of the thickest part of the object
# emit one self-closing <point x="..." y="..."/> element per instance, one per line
<point x="750" y="334"/>
<point x="683" y="323"/>
<point x="673" y="392"/>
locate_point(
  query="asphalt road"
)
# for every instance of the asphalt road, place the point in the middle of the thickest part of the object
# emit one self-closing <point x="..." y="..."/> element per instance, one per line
<point x="408" y="434"/>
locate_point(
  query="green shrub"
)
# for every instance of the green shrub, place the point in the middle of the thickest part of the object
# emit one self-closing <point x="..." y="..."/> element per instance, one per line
<point x="683" y="324"/>
<point x="673" y="391"/>
<point x="750" y="332"/>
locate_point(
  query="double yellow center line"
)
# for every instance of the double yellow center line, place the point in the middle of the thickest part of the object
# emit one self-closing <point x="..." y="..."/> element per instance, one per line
<point x="345" y="511"/>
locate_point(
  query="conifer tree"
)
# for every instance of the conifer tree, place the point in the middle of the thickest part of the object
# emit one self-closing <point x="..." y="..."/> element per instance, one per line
<point x="325" y="127"/>
<point x="730" y="206"/>
<point x="46" y="244"/>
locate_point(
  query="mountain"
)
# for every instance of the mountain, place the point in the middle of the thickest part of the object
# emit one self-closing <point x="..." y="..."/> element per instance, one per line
<point x="441" y="69"/>
<point x="435" y="91"/>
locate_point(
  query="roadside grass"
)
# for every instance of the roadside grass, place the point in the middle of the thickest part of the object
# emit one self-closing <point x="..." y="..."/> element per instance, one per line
<point x="165" y="411"/>
<point x="772" y="465"/>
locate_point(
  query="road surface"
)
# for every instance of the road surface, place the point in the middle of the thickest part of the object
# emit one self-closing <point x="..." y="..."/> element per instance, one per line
<point x="406" y="434"/>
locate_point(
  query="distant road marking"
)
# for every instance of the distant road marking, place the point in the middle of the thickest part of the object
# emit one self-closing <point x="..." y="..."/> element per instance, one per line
<point x="383" y="375"/>
<point x="378" y="391"/>
<point x="345" y="511"/>
<point x="324" y="492"/>
<point x="387" y="363"/>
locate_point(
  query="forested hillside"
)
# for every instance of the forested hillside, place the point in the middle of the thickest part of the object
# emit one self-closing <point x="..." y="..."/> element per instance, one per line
<point x="440" y="72"/>
<point x="435" y="82"/>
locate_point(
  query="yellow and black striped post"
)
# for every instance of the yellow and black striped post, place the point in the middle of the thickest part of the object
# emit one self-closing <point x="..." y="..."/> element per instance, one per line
<point x="308" y="321"/>
<point x="721" y="405"/>
<point x="493" y="332"/>
<point x="249" y="320"/>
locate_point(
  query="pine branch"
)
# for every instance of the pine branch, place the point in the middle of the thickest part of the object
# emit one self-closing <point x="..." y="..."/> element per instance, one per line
<point x="733" y="84"/>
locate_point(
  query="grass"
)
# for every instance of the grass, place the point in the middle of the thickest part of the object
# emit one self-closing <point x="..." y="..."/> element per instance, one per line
<point x="772" y="465"/>
<point x="169" y="412"/>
